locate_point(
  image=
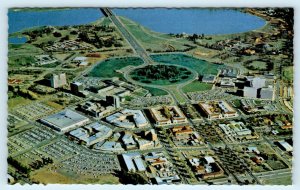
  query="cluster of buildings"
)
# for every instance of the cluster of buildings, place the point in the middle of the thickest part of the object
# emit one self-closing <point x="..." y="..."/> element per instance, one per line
<point x="206" y="167"/>
<point x="68" y="45"/>
<point x="80" y="61"/>
<point x="259" y="87"/>
<point x="167" y="115"/>
<point x="217" y="109"/>
<point x="185" y="134"/>
<point x="154" y="164"/>
<point x="237" y="130"/>
<point x="99" y="108"/>
<point x="91" y="134"/>
<point x="112" y="87"/>
<point x="128" y="119"/>
<point x="44" y="59"/>
<point x="134" y="162"/>
<point x="128" y="140"/>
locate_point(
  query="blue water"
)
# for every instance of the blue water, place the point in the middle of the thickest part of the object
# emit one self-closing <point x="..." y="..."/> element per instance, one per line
<point x="17" y="40"/>
<point x="160" y="20"/>
<point x="19" y="20"/>
<point x="206" y="21"/>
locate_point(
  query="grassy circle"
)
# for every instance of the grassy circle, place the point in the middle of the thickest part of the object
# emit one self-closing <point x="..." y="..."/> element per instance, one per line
<point x="161" y="74"/>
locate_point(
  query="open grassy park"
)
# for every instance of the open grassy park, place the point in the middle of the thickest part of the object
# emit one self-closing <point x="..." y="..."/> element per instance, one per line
<point x="108" y="68"/>
<point x="156" y="91"/>
<point x="288" y="73"/>
<point x="154" y="41"/>
<point x="161" y="74"/>
<point x="196" y="86"/>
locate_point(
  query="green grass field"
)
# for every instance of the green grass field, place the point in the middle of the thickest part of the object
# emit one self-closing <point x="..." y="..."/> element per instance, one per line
<point x="200" y="66"/>
<point x="286" y="180"/>
<point x="288" y="74"/>
<point x="196" y="86"/>
<point x="107" y="68"/>
<point x="153" y="40"/>
<point x="258" y="65"/>
<point x="156" y="91"/>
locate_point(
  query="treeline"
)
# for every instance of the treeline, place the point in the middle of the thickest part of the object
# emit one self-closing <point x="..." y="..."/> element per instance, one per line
<point x="25" y="93"/>
<point x="97" y="41"/>
<point x="131" y="178"/>
<point x="37" y="164"/>
<point x="19" y="166"/>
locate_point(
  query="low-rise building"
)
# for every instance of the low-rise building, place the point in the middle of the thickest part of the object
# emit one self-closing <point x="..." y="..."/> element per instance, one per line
<point x="267" y="93"/>
<point x="206" y="167"/>
<point x="209" y="78"/>
<point x="236" y="130"/>
<point x="133" y="162"/>
<point x="167" y="115"/>
<point x="65" y="120"/>
<point x="96" y="108"/>
<point x="217" y="109"/>
<point x="91" y="134"/>
<point x="285" y="146"/>
<point x="128" y="118"/>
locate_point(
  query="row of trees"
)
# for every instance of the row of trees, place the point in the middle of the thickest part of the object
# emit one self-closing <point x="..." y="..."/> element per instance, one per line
<point x="19" y="166"/>
<point x="98" y="41"/>
<point x="37" y="164"/>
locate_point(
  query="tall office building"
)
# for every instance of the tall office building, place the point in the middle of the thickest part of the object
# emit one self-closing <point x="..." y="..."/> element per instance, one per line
<point x="76" y="87"/>
<point x="115" y="100"/>
<point x="58" y="81"/>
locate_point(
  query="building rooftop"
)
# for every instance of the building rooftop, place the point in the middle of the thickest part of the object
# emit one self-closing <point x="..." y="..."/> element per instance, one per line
<point x="64" y="119"/>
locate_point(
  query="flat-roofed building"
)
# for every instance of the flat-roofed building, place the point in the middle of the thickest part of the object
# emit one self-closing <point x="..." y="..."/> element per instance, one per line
<point x="91" y="134"/>
<point x="285" y="146"/>
<point x="227" y="82"/>
<point x="209" y="78"/>
<point x="134" y="162"/>
<point x="267" y="93"/>
<point x="57" y="81"/>
<point x="65" y="120"/>
<point x="128" y="118"/>
<point x="76" y="87"/>
<point x="209" y="111"/>
<point x="250" y="92"/>
<point x="217" y="109"/>
<point x="167" y="115"/>
<point x="227" y="110"/>
<point x="96" y="108"/>
<point x="235" y="130"/>
<point x="182" y="132"/>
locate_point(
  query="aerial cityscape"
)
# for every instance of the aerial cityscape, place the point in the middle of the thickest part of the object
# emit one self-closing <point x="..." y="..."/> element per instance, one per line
<point x="200" y="96"/>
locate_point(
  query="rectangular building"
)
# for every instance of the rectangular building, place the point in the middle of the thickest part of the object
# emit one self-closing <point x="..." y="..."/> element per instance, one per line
<point x="65" y="120"/>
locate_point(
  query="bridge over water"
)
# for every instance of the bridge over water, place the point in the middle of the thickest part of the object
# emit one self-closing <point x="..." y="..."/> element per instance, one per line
<point x="127" y="35"/>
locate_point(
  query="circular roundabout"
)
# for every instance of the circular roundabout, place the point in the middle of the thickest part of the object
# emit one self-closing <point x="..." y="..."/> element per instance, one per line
<point x="162" y="74"/>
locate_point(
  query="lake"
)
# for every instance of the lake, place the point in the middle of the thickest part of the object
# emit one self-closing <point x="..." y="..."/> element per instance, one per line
<point x="190" y="21"/>
<point x="19" y="20"/>
<point x="17" y="40"/>
<point x="200" y="21"/>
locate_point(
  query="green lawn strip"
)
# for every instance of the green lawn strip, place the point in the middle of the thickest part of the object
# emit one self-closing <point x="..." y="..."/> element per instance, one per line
<point x="196" y="86"/>
<point x="156" y="91"/>
<point x="200" y="66"/>
<point x="288" y="73"/>
<point x="107" y="68"/>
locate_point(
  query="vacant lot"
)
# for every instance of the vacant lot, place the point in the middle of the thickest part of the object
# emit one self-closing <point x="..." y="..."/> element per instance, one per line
<point x="46" y="176"/>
